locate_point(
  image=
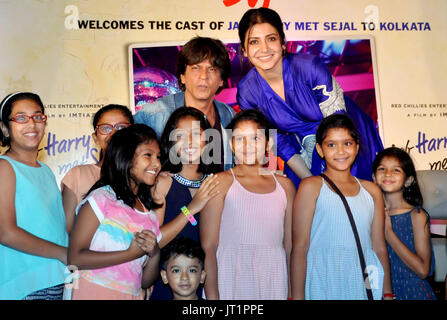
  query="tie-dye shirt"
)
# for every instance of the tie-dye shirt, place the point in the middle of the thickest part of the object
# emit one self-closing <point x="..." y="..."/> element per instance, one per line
<point x="117" y="224"/>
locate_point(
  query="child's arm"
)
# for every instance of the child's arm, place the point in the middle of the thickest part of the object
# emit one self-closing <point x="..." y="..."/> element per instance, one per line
<point x="289" y="187"/>
<point x="81" y="236"/>
<point x="418" y="262"/>
<point x="303" y="213"/>
<point x="70" y="203"/>
<point x="378" y="233"/>
<point x="206" y="191"/>
<point x="13" y="236"/>
<point x="147" y="241"/>
<point x="210" y="218"/>
<point x="158" y="192"/>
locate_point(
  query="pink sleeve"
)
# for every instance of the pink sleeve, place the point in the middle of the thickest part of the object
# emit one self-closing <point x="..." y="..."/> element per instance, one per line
<point x="71" y="181"/>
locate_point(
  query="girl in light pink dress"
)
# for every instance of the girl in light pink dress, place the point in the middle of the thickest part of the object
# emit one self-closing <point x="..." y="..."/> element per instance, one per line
<point x="114" y="241"/>
<point x="246" y="229"/>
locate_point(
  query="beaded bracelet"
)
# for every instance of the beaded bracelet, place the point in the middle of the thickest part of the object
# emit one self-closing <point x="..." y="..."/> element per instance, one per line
<point x="188" y="215"/>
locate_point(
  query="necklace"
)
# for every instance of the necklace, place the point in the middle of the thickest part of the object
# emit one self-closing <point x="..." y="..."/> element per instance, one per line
<point x="189" y="183"/>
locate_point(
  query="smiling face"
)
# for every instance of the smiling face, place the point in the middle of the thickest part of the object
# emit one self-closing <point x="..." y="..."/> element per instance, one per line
<point x="189" y="140"/>
<point x="338" y="149"/>
<point x="390" y="176"/>
<point x="113" y="118"/>
<point x="146" y="164"/>
<point x="264" y="48"/>
<point x="201" y="80"/>
<point x="26" y="136"/>
<point x="249" y="143"/>
<point x="184" y="275"/>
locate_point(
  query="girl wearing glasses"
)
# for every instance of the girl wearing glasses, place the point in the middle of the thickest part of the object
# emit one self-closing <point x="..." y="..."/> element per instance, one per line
<point x="80" y="179"/>
<point x="33" y="240"/>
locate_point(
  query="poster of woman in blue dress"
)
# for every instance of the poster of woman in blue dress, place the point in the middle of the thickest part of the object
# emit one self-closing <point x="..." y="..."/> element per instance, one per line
<point x="296" y="91"/>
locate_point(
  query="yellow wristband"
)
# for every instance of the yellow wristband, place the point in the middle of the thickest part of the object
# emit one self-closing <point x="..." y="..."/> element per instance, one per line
<point x="188" y="215"/>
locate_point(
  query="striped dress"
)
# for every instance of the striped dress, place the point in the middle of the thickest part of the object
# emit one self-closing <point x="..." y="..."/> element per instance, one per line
<point x="333" y="265"/>
<point x="251" y="259"/>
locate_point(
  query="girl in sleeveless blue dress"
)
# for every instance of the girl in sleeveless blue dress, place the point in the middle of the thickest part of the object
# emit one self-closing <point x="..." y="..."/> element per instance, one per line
<point x="33" y="248"/>
<point x="325" y="262"/>
<point x="183" y="189"/>
<point x="333" y="266"/>
<point x="407" y="285"/>
<point x="407" y="227"/>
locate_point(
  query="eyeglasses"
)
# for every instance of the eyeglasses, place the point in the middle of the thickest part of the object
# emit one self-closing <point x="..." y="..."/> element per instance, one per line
<point x="23" y="118"/>
<point x="108" y="128"/>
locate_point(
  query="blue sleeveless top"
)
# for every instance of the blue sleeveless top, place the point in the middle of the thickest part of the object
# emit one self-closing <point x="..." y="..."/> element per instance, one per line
<point x="333" y="266"/>
<point x="39" y="211"/>
<point x="406" y="284"/>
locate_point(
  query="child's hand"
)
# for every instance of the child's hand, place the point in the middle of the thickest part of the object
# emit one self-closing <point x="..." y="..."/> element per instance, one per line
<point x="388" y="226"/>
<point x="134" y="248"/>
<point x="166" y="174"/>
<point x="147" y="241"/>
<point x="266" y="171"/>
<point x="206" y="191"/>
<point x="155" y="191"/>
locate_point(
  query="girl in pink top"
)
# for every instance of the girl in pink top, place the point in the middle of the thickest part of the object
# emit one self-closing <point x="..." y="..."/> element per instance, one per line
<point x="114" y="241"/>
<point x="246" y="229"/>
<point x="80" y="179"/>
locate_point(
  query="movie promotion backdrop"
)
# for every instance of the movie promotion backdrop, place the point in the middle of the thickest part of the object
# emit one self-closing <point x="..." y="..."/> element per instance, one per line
<point x="388" y="56"/>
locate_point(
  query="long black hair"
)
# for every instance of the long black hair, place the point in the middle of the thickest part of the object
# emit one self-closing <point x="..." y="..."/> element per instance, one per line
<point x="412" y="194"/>
<point x="167" y="144"/>
<point x="118" y="161"/>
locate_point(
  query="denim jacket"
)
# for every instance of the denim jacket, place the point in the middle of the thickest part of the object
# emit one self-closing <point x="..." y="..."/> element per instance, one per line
<point x="156" y="115"/>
